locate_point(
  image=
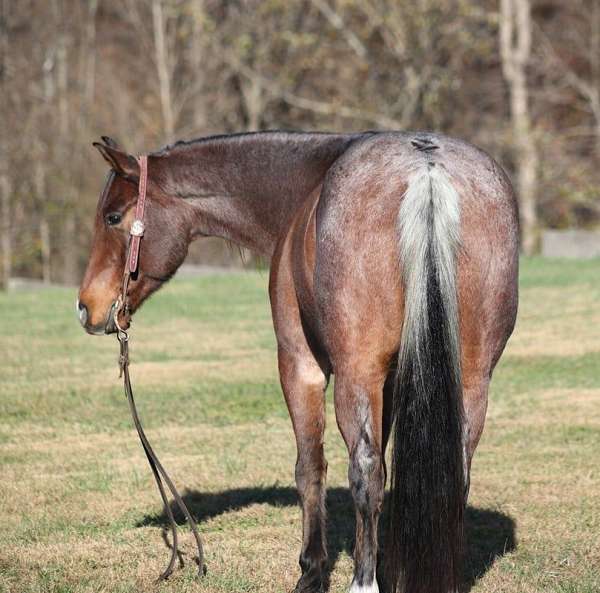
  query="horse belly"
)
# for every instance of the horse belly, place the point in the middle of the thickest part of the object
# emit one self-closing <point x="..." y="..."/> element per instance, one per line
<point x="298" y="256"/>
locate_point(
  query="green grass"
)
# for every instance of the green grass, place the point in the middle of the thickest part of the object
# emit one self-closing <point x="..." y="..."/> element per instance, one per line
<point x="78" y="508"/>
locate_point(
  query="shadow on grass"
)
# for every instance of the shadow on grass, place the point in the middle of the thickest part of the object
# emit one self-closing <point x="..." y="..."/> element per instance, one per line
<point x="489" y="534"/>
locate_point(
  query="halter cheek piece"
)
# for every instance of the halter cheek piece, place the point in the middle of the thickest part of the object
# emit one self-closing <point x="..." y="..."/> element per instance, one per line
<point x="136" y="232"/>
<point x="122" y="306"/>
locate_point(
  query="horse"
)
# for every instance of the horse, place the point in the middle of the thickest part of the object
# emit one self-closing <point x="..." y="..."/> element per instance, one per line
<point x="393" y="267"/>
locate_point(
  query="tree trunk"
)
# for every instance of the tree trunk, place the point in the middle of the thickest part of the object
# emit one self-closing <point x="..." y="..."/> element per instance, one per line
<point x="70" y="260"/>
<point x="44" y="226"/>
<point x="197" y="58"/>
<point x="5" y="226"/>
<point x="595" y="69"/>
<point x="45" y="249"/>
<point x="515" y="49"/>
<point x="89" y="55"/>
<point x="162" y="67"/>
<point x="5" y="182"/>
<point x="69" y="224"/>
<point x="252" y="95"/>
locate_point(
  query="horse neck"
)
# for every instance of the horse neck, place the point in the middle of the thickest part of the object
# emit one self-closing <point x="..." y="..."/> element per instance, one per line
<point x="246" y="188"/>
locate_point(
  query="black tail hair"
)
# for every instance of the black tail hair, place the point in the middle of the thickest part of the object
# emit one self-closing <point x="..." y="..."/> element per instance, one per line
<point x="425" y="531"/>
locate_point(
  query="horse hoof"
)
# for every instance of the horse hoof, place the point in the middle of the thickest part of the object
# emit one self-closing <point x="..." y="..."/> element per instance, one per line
<point x="310" y="583"/>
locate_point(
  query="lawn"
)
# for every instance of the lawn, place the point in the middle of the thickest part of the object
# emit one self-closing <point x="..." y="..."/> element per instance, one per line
<point x="79" y="510"/>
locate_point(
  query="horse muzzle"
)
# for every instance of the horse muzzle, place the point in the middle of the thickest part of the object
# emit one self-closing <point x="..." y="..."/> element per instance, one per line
<point x="99" y="329"/>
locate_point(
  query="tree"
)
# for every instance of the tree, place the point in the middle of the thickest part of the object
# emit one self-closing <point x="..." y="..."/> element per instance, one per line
<point x="515" y="51"/>
<point x="5" y="181"/>
<point x="163" y="69"/>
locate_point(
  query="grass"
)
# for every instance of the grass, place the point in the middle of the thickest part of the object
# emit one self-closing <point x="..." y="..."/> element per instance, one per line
<point x="78" y="508"/>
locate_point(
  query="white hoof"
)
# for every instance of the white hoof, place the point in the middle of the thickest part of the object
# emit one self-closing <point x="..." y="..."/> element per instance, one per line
<point x="371" y="588"/>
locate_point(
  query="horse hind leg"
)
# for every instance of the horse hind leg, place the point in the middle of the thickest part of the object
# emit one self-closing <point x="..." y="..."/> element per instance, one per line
<point x="304" y="383"/>
<point x="475" y="399"/>
<point x="358" y="405"/>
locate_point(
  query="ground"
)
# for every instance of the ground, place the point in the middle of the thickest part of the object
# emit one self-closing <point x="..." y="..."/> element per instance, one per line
<point x="79" y="511"/>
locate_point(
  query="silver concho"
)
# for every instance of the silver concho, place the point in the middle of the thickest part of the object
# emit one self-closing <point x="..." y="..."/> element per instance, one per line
<point x="137" y="228"/>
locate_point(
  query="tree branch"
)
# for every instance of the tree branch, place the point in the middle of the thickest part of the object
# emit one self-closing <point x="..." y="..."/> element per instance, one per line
<point x="313" y="105"/>
<point x="336" y="21"/>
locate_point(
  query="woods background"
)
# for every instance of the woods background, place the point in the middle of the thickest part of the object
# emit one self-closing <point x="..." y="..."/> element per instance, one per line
<point x="519" y="78"/>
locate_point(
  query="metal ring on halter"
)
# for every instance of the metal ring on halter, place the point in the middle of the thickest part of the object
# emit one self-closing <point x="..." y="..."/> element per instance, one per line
<point x="122" y="334"/>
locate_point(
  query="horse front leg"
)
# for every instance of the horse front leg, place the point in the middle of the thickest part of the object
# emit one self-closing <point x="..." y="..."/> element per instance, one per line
<point x="303" y="384"/>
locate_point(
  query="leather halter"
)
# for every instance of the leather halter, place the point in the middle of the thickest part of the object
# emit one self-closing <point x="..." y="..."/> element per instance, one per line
<point x="136" y="232"/>
<point x="137" y="227"/>
<point x="122" y="306"/>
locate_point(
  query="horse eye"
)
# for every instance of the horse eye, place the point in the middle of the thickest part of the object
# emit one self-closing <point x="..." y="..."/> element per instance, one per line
<point x="113" y="218"/>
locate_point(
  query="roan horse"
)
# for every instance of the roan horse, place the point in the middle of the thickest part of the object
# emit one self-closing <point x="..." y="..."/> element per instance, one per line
<point x="394" y="263"/>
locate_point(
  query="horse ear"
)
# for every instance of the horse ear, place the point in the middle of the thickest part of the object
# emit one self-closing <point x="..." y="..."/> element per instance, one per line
<point x="122" y="163"/>
<point x="110" y="141"/>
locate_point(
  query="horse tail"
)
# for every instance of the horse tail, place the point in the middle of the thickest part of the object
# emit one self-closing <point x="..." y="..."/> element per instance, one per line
<point x="425" y="533"/>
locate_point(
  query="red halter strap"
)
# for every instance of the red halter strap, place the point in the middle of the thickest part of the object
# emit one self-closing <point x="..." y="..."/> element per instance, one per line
<point x="137" y="226"/>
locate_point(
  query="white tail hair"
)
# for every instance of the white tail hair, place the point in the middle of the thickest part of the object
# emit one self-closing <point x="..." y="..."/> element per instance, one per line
<point x="429" y="219"/>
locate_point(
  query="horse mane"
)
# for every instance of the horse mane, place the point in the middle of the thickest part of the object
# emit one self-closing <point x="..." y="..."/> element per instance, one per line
<point x="282" y="134"/>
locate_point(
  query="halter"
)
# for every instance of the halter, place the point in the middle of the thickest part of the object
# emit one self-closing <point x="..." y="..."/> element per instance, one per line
<point x="136" y="233"/>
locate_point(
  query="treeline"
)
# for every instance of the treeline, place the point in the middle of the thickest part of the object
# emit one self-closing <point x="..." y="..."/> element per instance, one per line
<point x="520" y="78"/>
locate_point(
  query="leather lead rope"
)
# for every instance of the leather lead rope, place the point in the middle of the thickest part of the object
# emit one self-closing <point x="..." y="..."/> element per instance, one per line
<point x="159" y="472"/>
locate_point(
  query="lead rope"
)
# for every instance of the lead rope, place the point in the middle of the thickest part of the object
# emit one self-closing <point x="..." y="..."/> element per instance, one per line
<point x="157" y="468"/>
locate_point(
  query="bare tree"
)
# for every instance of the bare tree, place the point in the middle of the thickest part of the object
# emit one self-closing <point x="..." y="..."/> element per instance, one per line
<point x="594" y="54"/>
<point x="5" y="191"/>
<point x="336" y="20"/>
<point x="68" y="233"/>
<point x="88" y="61"/>
<point x="5" y="182"/>
<point x="197" y="58"/>
<point x="39" y="144"/>
<point x="41" y="194"/>
<point x="515" y="50"/>
<point x="581" y="74"/>
<point x="161" y="50"/>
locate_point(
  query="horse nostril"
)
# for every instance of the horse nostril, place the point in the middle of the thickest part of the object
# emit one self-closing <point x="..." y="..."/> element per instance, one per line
<point x="82" y="312"/>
